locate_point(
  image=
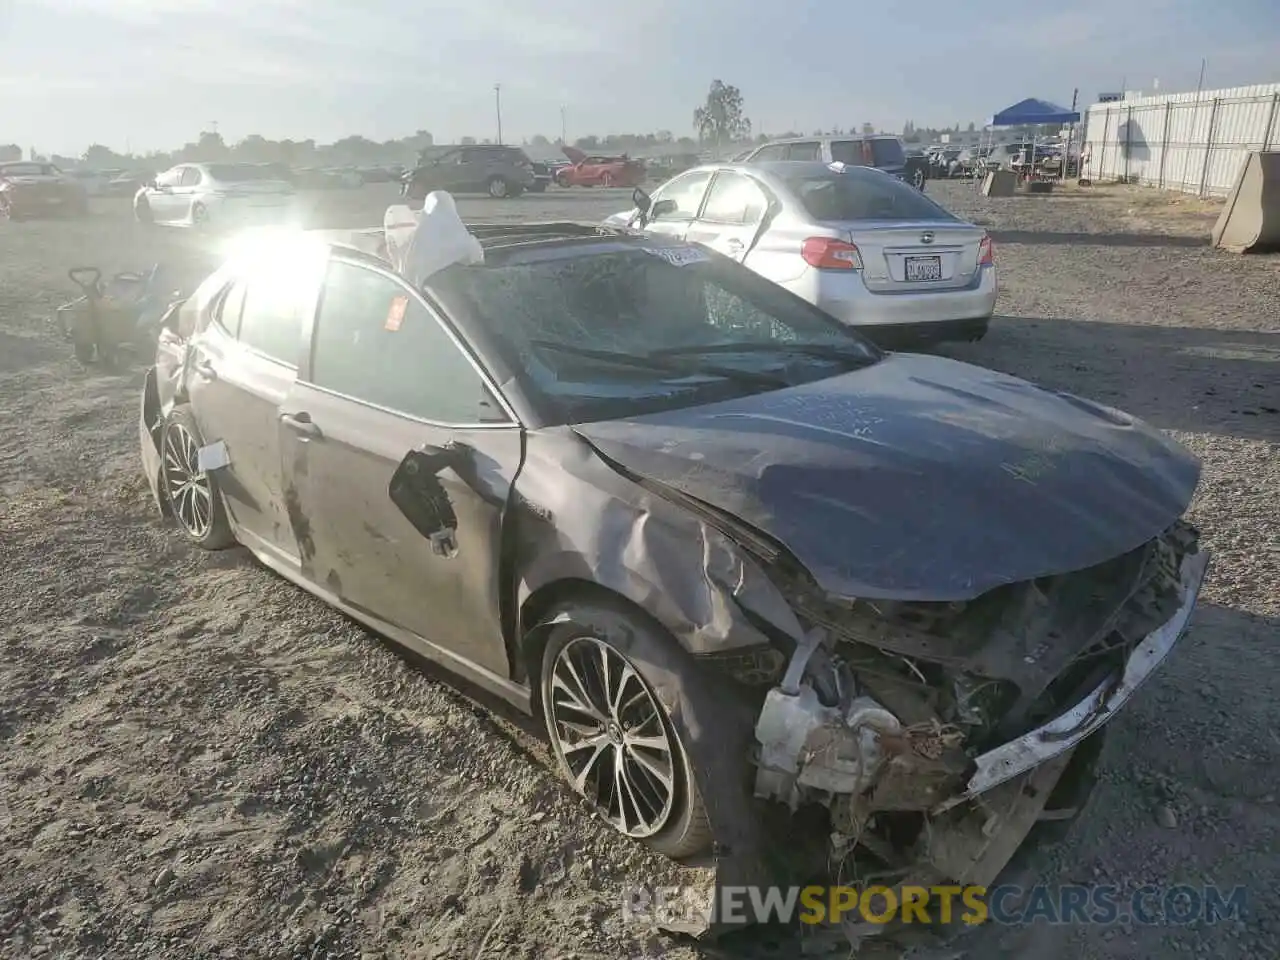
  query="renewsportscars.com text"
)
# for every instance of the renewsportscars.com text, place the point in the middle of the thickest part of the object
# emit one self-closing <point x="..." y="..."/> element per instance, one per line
<point x="1067" y="904"/>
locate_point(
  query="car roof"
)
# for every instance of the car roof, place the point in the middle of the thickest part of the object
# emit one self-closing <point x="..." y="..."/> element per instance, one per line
<point x="506" y="243"/>
<point x="832" y="136"/>
<point x="782" y="170"/>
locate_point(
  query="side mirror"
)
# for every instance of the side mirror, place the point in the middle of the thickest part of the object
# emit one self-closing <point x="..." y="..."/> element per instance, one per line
<point x="641" y="200"/>
<point x="662" y="208"/>
<point x="417" y="492"/>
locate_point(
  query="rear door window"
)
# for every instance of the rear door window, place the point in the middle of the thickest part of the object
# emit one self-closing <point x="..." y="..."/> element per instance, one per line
<point x="734" y="199"/>
<point x="849" y="152"/>
<point x="190" y="177"/>
<point x="276" y="302"/>
<point x="809" y="150"/>
<point x="228" y="310"/>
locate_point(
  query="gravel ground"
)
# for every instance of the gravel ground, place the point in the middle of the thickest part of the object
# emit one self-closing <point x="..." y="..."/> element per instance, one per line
<point x="201" y="761"/>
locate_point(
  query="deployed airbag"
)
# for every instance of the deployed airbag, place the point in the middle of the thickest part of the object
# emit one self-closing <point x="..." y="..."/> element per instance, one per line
<point x="421" y="244"/>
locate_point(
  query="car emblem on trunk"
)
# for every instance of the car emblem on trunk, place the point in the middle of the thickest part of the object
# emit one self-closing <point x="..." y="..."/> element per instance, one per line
<point x="926" y="237"/>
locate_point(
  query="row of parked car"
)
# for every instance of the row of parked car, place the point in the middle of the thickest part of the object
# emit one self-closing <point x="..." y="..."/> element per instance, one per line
<point x="1021" y="157"/>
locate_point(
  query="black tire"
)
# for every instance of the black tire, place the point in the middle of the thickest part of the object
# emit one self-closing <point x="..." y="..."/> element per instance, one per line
<point x="498" y="188"/>
<point x="539" y="187"/>
<point x="918" y="178"/>
<point x="215" y="533"/>
<point x="658" y="664"/>
<point x="142" y="211"/>
<point x="199" y="215"/>
<point x="7" y="212"/>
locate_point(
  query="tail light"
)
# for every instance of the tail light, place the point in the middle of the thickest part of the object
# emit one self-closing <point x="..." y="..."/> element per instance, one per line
<point x="986" y="253"/>
<point x="827" y="253"/>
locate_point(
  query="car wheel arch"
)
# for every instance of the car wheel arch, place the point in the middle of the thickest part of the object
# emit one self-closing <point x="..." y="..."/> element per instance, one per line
<point x="713" y="717"/>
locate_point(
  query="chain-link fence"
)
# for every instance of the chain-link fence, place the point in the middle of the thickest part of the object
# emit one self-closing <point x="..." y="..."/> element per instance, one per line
<point x="1195" y="143"/>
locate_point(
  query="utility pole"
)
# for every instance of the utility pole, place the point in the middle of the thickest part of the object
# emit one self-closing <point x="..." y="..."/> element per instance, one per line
<point x="497" y="104"/>
<point x="564" y="136"/>
<point x="1200" y="84"/>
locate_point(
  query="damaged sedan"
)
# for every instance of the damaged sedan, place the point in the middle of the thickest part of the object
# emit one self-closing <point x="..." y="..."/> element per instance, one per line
<point x="739" y="559"/>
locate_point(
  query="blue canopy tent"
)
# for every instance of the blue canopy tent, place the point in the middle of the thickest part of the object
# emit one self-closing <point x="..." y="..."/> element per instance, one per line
<point x="1031" y="112"/>
<point x="1034" y="112"/>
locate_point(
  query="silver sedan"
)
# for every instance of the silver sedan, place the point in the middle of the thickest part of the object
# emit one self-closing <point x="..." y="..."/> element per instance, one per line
<point x="854" y="241"/>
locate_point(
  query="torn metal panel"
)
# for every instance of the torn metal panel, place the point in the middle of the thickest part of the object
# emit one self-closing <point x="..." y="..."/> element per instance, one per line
<point x="577" y="519"/>
<point x="919" y="478"/>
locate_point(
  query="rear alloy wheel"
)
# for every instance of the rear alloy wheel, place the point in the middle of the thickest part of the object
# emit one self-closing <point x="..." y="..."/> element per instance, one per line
<point x="199" y="215"/>
<point x="498" y="188"/>
<point x="192" y="493"/>
<point x="142" y="211"/>
<point x="612" y="739"/>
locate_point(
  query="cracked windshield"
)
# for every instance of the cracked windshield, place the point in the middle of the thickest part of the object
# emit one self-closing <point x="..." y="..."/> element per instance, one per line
<point x="721" y="481"/>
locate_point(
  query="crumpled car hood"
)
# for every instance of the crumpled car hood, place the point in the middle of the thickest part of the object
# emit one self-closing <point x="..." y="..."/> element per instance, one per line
<point x="919" y="478"/>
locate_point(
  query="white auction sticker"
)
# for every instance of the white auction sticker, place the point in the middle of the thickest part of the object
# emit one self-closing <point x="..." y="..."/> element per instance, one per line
<point x="679" y="256"/>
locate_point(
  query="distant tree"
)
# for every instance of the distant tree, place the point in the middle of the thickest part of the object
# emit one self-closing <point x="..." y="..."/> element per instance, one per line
<point x="972" y="128"/>
<point x="256" y="149"/>
<point x="211" y="145"/>
<point x="868" y="129"/>
<point x="665" y="136"/>
<point x="538" y="140"/>
<point x="98" y="157"/>
<point x="587" y="143"/>
<point x="468" y="141"/>
<point x="721" y="119"/>
<point x="10" y="151"/>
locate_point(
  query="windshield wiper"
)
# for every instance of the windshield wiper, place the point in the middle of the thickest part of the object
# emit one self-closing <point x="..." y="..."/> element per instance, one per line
<point x="854" y="353"/>
<point x="654" y="361"/>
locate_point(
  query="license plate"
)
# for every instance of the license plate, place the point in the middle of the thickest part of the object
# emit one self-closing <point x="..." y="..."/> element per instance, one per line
<point x="924" y="268"/>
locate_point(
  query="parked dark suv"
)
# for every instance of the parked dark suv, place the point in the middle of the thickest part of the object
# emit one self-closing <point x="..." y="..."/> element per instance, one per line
<point x="882" y="151"/>
<point x="499" y="171"/>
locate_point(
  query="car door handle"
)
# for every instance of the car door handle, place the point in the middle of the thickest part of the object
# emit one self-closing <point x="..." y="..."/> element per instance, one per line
<point x="205" y="371"/>
<point x="301" y="423"/>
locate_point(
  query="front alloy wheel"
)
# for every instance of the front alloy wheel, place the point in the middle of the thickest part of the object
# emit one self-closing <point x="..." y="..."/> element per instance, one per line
<point x="611" y="736"/>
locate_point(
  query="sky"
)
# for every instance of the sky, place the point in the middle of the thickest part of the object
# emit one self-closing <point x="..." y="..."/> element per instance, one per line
<point x="151" y="74"/>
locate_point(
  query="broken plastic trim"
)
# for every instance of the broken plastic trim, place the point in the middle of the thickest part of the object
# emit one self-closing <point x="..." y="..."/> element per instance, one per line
<point x="1061" y="734"/>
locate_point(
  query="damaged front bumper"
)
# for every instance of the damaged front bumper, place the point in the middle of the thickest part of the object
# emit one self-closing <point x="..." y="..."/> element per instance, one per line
<point x="1065" y="731"/>
<point x="822" y="739"/>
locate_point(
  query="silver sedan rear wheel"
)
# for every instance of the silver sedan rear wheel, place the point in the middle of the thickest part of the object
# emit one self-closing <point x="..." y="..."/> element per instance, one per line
<point x="192" y="494"/>
<point x="185" y="483"/>
<point x="612" y="737"/>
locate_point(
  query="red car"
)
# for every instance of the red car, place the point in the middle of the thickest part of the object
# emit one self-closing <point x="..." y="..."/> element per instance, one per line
<point x="598" y="171"/>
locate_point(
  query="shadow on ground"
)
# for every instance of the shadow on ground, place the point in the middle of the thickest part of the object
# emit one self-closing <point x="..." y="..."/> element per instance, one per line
<point x="1177" y="378"/>
<point x="1048" y="238"/>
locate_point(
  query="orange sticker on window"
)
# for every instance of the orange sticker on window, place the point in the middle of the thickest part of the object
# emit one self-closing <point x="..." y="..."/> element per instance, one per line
<point x="395" y="316"/>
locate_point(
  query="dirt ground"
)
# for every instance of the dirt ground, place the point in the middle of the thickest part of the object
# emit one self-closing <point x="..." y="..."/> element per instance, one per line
<point x="198" y="760"/>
